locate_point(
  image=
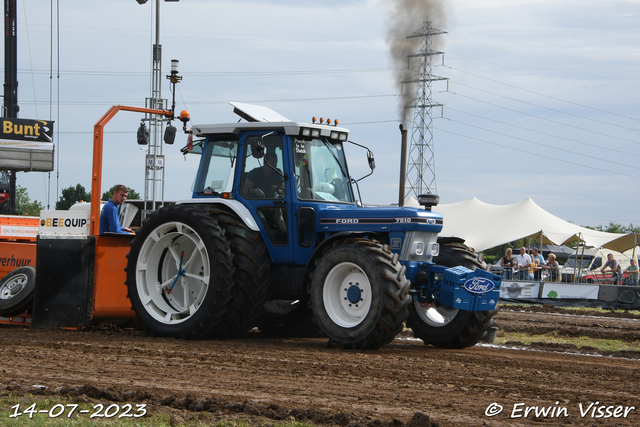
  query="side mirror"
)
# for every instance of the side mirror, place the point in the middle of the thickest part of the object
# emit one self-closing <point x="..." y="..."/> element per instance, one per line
<point x="169" y="134"/>
<point x="257" y="148"/>
<point x="372" y="160"/>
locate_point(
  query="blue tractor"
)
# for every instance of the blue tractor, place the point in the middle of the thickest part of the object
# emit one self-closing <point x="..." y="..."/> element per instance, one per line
<point x="274" y="236"/>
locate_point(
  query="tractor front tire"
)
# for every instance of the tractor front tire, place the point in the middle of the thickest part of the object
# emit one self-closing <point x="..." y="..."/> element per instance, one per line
<point x="179" y="273"/>
<point x="448" y="327"/>
<point x="359" y="294"/>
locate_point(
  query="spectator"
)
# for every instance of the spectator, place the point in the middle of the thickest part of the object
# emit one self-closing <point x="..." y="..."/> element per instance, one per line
<point x="614" y="267"/>
<point x="553" y="268"/>
<point x="523" y="262"/>
<point x="538" y="260"/>
<point x="507" y="263"/>
<point x="109" y="219"/>
<point x="632" y="280"/>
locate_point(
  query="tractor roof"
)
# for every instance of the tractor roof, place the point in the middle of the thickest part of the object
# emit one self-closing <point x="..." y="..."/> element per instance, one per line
<point x="262" y="118"/>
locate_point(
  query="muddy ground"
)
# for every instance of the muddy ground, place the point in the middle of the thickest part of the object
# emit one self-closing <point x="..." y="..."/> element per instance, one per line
<point x="264" y="379"/>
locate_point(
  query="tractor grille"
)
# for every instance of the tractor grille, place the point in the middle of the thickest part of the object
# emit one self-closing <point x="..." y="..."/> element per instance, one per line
<point x="417" y="246"/>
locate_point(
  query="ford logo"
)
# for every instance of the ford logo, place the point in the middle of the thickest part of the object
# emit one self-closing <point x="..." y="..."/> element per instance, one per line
<point x="479" y="285"/>
<point x="431" y="221"/>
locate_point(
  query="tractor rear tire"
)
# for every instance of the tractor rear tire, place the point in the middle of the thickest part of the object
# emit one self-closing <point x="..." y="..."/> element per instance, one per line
<point x="453" y="255"/>
<point x="16" y="291"/>
<point x="359" y="294"/>
<point x="448" y="327"/>
<point x="179" y="273"/>
<point x="252" y="278"/>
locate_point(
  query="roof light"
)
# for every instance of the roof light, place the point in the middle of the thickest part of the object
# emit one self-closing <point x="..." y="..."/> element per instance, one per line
<point x="321" y="120"/>
<point x="336" y="124"/>
<point x="313" y="120"/>
<point x="343" y="137"/>
<point x="305" y="132"/>
<point x="334" y="135"/>
<point x="315" y="133"/>
<point x="328" y="121"/>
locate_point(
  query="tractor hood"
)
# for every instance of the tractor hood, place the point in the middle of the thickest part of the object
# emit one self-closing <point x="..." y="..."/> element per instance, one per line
<point x="382" y="219"/>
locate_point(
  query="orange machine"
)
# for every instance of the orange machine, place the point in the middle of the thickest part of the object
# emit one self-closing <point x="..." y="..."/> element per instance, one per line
<point x="81" y="278"/>
<point x="17" y="250"/>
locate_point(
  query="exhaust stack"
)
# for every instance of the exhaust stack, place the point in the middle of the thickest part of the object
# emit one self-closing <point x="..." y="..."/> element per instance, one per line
<point x="403" y="164"/>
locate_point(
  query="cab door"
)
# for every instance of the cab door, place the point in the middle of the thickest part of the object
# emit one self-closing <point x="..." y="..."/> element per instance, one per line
<point x="264" y="188"/>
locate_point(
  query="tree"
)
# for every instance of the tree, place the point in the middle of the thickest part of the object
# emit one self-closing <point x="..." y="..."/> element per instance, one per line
<point x="615" y="227"/>
<point x="24" y="206"/>
<point x="71" y="195"/>
<point x="133" y="194"/>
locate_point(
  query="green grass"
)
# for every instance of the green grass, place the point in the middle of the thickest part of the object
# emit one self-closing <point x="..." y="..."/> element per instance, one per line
<point x="590" y="309"/>
<point x="553" y="338"/>
<point x="77" y="419"/>
<point x="151" y="419"/>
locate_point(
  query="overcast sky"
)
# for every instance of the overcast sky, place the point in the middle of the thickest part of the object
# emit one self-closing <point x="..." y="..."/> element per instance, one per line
<point x="541" y="101"/>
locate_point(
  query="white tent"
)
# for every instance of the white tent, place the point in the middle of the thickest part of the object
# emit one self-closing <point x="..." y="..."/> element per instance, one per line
<point x="485" y="226"/>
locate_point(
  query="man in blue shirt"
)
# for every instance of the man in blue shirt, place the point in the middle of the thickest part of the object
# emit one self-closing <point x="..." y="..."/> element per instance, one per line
<point x="537" y="273"/>
<point x="109" y="219"/>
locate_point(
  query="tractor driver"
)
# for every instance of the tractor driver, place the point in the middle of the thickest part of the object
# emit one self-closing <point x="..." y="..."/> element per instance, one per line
<point x="264" y="181"/>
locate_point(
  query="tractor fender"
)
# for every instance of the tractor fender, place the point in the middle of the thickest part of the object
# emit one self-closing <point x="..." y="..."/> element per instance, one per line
<point x="328" y="242"/>
<point x="243" y="213"/>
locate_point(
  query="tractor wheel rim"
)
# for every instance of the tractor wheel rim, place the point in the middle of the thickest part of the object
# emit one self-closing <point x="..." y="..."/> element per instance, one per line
<point x="435" y="316"/>
<point x="172" y="273"/>
<point x="347" y="295"/>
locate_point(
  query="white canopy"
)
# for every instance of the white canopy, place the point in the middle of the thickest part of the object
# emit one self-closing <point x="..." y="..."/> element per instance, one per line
<point x="485" y="226"/>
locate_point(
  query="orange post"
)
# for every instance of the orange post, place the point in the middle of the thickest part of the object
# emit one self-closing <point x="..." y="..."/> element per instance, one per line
<point x="96" y="177"/>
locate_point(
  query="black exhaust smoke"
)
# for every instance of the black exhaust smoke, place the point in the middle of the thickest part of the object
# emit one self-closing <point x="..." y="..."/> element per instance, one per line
<point x="406" y="17"/>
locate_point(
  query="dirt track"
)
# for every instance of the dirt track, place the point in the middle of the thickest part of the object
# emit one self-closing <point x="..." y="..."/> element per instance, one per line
<point x="303" y="379"/>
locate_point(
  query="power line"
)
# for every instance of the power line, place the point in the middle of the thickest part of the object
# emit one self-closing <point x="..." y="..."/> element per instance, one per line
<point x="533" y="115"/>
<point x="545" y="145"/>
<point x="230" y="73"/>
<point x="545" y="62"/>
<point x="557" y="99"/>
<point x="564" y="82"/>
<point x="544" y="133"/>
<point x="537" y="154"/>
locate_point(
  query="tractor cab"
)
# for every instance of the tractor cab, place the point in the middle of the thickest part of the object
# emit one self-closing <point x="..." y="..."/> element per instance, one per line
<point x="282" y="173"/>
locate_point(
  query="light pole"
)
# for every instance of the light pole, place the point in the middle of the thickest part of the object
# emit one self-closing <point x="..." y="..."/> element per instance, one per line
<point x="154" y="160"/>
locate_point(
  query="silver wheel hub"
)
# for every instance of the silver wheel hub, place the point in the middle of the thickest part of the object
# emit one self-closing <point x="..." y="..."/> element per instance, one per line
<point x="13" y="286"/>
<point x="347" y="295"/>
